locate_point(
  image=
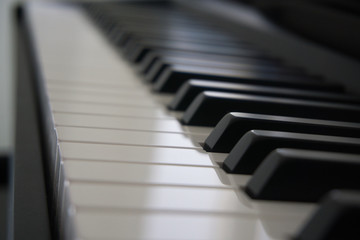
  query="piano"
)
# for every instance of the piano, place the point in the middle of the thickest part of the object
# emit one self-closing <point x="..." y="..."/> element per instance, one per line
<point x="185" y="120"/>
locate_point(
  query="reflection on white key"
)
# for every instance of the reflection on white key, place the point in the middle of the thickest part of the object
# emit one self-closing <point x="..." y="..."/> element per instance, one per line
<point x="139" y="154"/>
<point x="155" y="125"/>
<point x="107" y="196"/>
<point x="110" y="136"/>
<point x="116" y="172"/>
<point x="111" y="110"/>
<point x="108" y="99"/>
<point x="78" y="74"/>
<point x="100" y="90"/>
<point x="169" y="225"/>
<point x="100" y="73"/>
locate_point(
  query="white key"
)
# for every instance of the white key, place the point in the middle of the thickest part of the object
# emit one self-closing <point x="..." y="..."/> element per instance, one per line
<point x="99" y="89"/>
<point x="102" y="196"/>
<point x="110" y="110"/>
<point x="96" y="73"/>
<point x="107" y="196"/>
<point x="168" y="225"/>
<point x="117" y="172"/>
<point x="105" y="99"/>
<point x="111" y="136"/>
<point x="128" y="123"/>
<point x="135" y="154"/>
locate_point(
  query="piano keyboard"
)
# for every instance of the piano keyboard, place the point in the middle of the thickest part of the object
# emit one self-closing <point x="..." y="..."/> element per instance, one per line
<point x="124" y="166"/>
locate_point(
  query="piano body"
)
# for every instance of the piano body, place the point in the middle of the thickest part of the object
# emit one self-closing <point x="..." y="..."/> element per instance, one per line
<point x="103" y="151"/>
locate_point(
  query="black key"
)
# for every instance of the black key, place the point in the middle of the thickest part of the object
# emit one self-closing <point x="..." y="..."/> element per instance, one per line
<point x="145" y="65"/>
<point x="136" y="51"/>
<point x="189" y="90"/>
<point x="146" y="11"/>
<point x="160" y="64"/>
<point x="303" y="175"/>
<point x="144" y="22"/>
<point x="140" y="37"/>
<point x="189" y="31"/>
<point x="173" y="77"/>
<point x="234" y="125"/>
<point x="163" y="28"/>
<point x="336" y="218"/>
<point x="255" y="145"/>
<point x="209" y="107"/>
<point x="149" y="16"/>
<point x="128" y="33"/>
<point x="141" y="40"/>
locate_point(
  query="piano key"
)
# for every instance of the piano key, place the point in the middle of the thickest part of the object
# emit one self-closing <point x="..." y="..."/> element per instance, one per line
<point x="125" y="123"/>
<point x="120" y="37"/>
<point x="226" y="41"/>
<point x="189" y="90"/>
<point x="150" y="58"/>
<point x="135" y="154"/>
<point x="104" y="99"/>
<point x="128" y="137"/>
<point x="110" y="74"/>
<point x="286" y="174"/>
<point x="104" y="90"/>
<point x="147" y="12"/>
<point x="133" y="22"/>
<point x="173" y="77"/>
<point x="177" y="225"/>
<point x="94" y="83"/>
<point x="184" y="33"/>
<point x="255" y="145"/>
<point x="109" y="109"/>
<point x="271" y="223"/>
<point x="87" y="88"/>
<point x="174" y="198"/>
<point x="149" y="174"/>
<point x="177" y="198"/>
<point x="137" y="51"/>
<point x="209" y="107"/>
<point x="234" y="125"/>
<point x="167" y="25"/>
<point x="336" y="218"/>
<point x="160" y="64"/>
<point x="88" y="220"/>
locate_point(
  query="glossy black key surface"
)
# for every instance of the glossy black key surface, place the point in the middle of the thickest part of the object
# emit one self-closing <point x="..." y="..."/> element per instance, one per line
<point x="303" y="175"/>
<point x="172" y="77"/>
<point x="209" y="107"/>
<point x="149" y="15"/>
<point x="139" y="22"/>
<point x="336" y="218"/>
<point x="128" y="33"/>
<point x="140" y="38"/>
<point x="160" y="64"/>
<point x="189" y="32"/>
<point x="234" y="125"/>
<point x="255" y="145"/>
<point x="200" y="43"/>
<point x="189" y="90"/>
<point x="149" y="60"/>
<point x="138" y="50"/>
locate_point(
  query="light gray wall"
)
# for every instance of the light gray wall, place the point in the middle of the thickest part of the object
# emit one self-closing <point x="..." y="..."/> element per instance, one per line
<point x="6" y="77"/>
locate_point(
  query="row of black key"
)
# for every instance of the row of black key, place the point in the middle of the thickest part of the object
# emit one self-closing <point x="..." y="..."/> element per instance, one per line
<point x="276" y="122"/>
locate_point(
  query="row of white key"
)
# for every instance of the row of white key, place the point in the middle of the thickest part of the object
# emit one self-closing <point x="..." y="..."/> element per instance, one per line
<point x="128" y="169"/>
